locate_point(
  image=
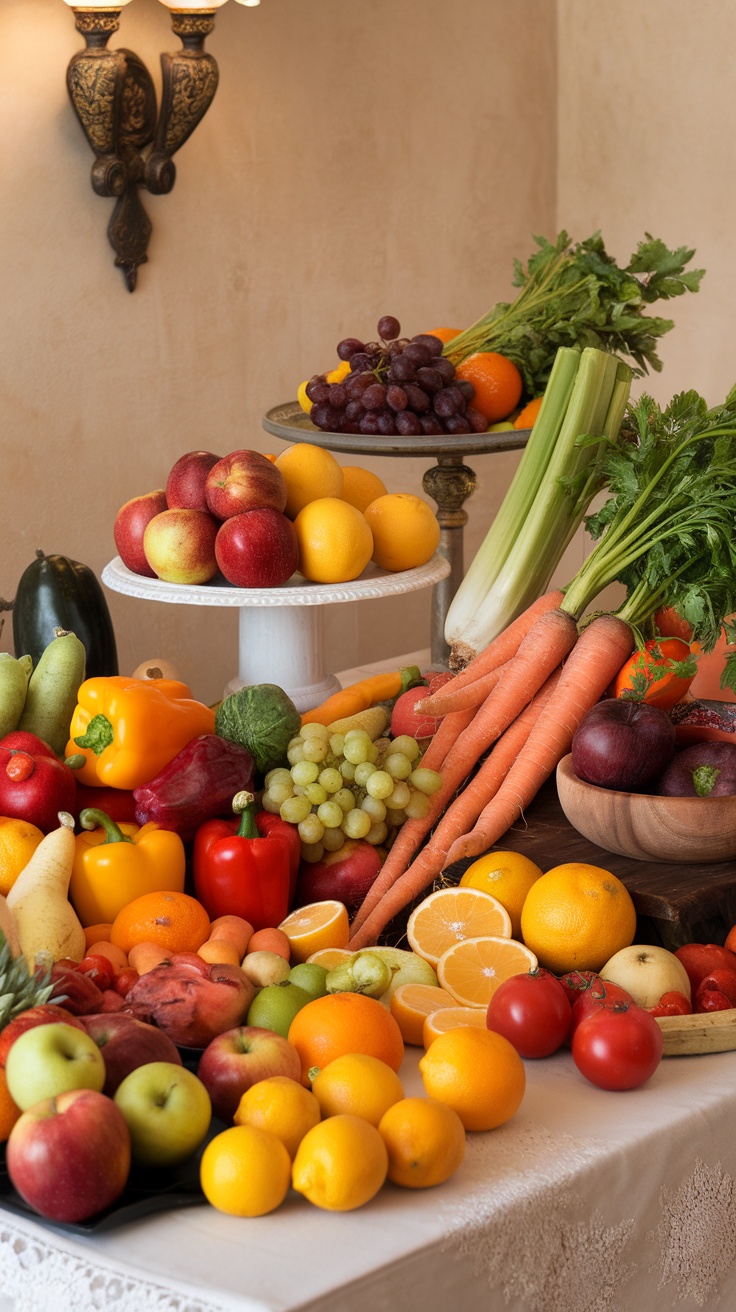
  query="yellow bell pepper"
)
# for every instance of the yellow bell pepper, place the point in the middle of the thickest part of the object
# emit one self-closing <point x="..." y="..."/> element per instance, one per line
<point x="129" y="729"/>
<point x="115" y="863"/>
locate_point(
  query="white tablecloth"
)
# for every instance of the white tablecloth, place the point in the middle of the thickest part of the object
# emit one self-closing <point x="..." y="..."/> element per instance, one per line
<point x="585" y="1202"/>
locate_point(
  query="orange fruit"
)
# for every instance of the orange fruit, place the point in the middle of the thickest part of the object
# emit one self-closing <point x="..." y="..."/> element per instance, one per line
<point x="97" y="933"/>
<point x="341" y="1023"/>
<point x="497" y="382"/>
<point x="527" y="416"/>
<point x="476" y="1072"/>
<point x="449" y="1018"/>
<point x="507" y="876"/>
<point x="18" y="841"/>
<point x="472" y="969"/>
<point x="576" y="916"/>
<point x="176" y="921"/>
<point x="405" y="530"/>
<point x="310" y="473"/>
<point x="425" y="1139"/>
<point x="9" y="1110"/>
<point x="329" y="957"/>
<point x="412" y="1003"/>
<point x="361" y="486"/>
<point x="445" y="334"/>
<point x="317" y="925"/>
<point x="452" y="914"/>
<point x="357" y="1084"/>
<point x="334" y="540"/>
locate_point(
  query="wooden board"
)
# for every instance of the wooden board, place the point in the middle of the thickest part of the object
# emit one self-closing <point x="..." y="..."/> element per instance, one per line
<point x="686" y="1035"/>
<point x="675" y="904"/>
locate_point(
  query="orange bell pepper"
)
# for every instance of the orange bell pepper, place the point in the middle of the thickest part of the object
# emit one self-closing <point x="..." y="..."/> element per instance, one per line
<point x="659" y="673"/>
<point x="129" y="729"/>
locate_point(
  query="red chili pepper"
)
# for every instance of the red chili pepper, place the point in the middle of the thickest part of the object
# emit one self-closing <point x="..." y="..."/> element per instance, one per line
<point x="672" y="1003"/>
<point x="712" y="1000"/>
<point x="239" y="873"/>
<point x="720" y="980"/>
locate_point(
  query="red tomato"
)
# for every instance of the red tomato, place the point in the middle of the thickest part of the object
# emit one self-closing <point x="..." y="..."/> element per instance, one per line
<point x="124" y="981"/>
<point x="404" y="718"/>
<point x="617" y="1047"/>
<point x="576" y="982"/>
<point x="602" y="993"/>
<point x="532" y="1012"/>
<point x="98" y="968"/>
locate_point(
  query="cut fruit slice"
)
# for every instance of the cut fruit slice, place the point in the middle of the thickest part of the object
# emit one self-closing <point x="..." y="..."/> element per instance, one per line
<point x="318" y="925"/>
<point x="329" y="957"/>
<point x="412" y="1003"/>
<point x="449" y="1018"/>
<point x="472" y="969"/>
<point x="451" y="915"/>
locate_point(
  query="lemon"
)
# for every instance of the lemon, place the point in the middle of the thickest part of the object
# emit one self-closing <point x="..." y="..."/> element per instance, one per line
<point x="302" y="397"/>
<point x="245" y="1171"/>
<point x="317" y="925"/>
<point x="425" y="1141"/>
<point x="282" y="1106"/>
<point x="357" y="1085"/>
<point x="309" y="472"/>
<point x="340" y="1164"/>
<point x="334" y="540"/>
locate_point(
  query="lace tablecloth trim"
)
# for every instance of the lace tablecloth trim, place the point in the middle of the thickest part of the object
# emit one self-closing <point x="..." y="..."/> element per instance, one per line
<point x="63" y="1278"/>
<point x="697" y="1232"/>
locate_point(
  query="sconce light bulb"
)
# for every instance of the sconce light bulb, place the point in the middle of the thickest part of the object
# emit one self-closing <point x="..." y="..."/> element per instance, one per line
<point x="193" y="6"/>
<point x="100" y="7"/>
<point x="251" y="4"/>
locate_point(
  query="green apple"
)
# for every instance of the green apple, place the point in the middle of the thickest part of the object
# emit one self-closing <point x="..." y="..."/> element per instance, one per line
<point x="167" y="1111"/>
<point x="52" y="1059"/>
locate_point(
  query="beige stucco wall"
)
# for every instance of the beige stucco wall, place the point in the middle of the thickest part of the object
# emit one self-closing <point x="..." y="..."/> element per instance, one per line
<point x="387" y="156"/>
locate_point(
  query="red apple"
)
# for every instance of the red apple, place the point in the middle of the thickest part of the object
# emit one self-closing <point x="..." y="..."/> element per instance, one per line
<point x="240" y="1057"/>
<point x="405" y="719"/>
<point x="130" y="525"/>
<point x="345" y="875"/>
<point x="69" y="1157"/>
<point x="244" y="480"/>
<point x="127" y="1043"/>
<point x="191" y="1000"/>
<point x="180" y="546"/>
<point x="45" y="1013"/>
<point x="186" y="482"/>
<point x="257" y="549"/>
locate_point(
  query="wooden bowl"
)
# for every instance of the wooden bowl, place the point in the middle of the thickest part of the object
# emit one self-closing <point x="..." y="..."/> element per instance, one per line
<point x="649" y="828"/>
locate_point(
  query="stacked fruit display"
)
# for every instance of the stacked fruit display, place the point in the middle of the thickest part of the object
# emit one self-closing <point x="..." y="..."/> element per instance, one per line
<point x="254" y="520"/>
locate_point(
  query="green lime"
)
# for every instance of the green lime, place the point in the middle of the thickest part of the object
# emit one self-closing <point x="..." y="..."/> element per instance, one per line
<point x="310" y="977"/>
<point x="275" y="1006"/>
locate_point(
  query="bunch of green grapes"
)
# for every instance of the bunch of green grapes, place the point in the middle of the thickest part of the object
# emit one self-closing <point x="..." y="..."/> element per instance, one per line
<point x="343" y="786"/>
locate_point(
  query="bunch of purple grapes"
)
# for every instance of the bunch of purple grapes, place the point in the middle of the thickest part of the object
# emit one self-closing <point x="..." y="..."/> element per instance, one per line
<point x="395" y="385"/>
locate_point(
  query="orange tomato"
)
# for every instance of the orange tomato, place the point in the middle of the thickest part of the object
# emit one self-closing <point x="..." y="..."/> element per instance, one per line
<point x="651" y="676"/>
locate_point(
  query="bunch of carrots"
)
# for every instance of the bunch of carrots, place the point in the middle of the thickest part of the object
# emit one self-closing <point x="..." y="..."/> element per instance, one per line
<point x="666" y="533"/>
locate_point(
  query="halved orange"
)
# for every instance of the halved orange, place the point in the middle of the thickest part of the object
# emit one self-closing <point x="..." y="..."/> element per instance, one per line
<point x="472" y="969"/>
<point x="318" y="925"/>
<point x="329" y="957"/>
<point x="451" y="915"/>
<point x="449" y="1018"/>
<point x="412" y="1003"/>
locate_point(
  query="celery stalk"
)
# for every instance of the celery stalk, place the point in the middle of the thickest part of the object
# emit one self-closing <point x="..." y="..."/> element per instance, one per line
<point x="542" y="509"/>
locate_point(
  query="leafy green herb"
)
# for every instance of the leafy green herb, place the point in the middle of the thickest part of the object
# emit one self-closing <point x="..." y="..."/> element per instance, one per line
<point x="576" y="295"/>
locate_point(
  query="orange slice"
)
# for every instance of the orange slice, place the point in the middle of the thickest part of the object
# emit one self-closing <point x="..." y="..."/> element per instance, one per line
<point x="450" y="1018"/>
<point x="329" y="957"/>
<point x="412" y="1003"/>
<point x="472" y="969"/>
<point x="451" y="915"/>
<point x="318" y="925"/>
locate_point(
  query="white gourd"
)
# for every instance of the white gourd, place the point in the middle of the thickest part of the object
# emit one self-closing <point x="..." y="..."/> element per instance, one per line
<point x="45" y="918"/>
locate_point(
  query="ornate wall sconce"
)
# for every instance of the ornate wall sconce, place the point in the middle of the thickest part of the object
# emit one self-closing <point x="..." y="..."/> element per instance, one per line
<point x="115" y="101"/>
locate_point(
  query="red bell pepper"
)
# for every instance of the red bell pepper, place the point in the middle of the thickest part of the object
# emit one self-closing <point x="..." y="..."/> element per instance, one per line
<point x="270" y="823"/>
<point x="34" y="784"/>
<point x="237" y="872"/>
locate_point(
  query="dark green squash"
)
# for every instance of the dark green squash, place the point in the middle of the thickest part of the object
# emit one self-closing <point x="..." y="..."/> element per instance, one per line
<point x="55" y="592"/>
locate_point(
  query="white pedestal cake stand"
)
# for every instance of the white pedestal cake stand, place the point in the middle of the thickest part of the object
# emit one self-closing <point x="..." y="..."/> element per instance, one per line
<point x="281" y="634"/>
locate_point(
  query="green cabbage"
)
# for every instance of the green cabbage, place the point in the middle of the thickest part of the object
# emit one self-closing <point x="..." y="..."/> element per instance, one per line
<point x="262" y="718"/>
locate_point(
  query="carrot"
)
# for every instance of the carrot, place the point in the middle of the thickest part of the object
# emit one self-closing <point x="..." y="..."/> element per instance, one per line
<point x="507" y="643"/>
<point x="539" y="654"/>
<point x="598" y="655"/>
<point x="359" y="696"/>
<point x="463" y="812"/>
<point x="472" y="694"/>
